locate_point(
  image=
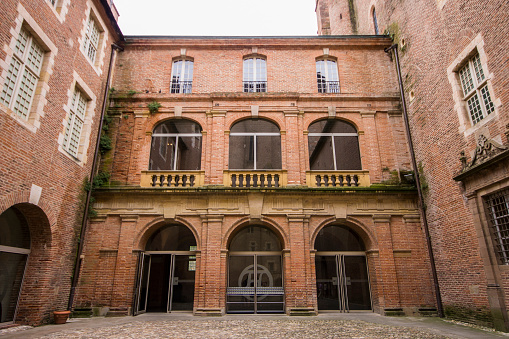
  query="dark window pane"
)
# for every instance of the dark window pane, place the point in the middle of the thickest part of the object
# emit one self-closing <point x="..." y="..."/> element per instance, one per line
<point x="254" y="126"/>
<point x="255" y="238"/>
<point x="241" y="152"/>
<point x="12" y="269"/>
<point x="338" y="238"/>
<point x="268" y="152"/>
<point x="320" y="153"/>
<point x="177" y="126"/>
<point x="189" y="153"/>
<point x="347" y="153"/>
<point x="172" y="238"/>
<point x="162" y="153"/>
<point x="14" y="229"/>
<point x="331" y="126"/>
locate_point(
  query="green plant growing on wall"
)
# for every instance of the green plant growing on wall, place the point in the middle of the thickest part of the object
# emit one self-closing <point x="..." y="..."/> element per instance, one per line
<point x="154" y="106"/>
<point x="131" y="92"/>
<point x="105" y="144"/>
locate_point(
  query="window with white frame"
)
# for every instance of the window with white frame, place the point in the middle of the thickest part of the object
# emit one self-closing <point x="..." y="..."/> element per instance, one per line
<point x="92" y="37"/>
<point x="255" y="75"/>
<point x="22" y="74"/>
<point x="75" y="123"/>
<point x="327" y="76"/>
<point x="182" y="76"/>
<point x="475" y="89"/>
<point x="497" y="210"/>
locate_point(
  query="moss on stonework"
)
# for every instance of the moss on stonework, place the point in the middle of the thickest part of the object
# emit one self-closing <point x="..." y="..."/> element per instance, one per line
<point x="478" y="316"/>
<point x="393" y="31"/>
<point x="353" y="16"/>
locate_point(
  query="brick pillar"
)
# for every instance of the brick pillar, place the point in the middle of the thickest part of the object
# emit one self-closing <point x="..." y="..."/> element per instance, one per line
<point x="292" y="159"/>
<point x="217" y="147"/>
<point x="389" y="297"/>
<point x="299" y="276"/>
<point x="370" y="148"/>
<point x="211" y="279"/>
<point x="125" y="269"/>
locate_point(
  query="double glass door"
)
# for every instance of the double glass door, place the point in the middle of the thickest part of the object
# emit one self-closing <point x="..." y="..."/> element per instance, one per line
<point x="342" y="282"/>
<point x="255" y="283"/>
<point x="165" y="282"/>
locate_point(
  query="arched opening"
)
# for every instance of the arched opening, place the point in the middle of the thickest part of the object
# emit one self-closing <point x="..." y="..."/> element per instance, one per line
<point x="14" y="251"/>
<point x="167" y="271"/>
<point x="255" y="272"/>
<point x="342" y="281"/>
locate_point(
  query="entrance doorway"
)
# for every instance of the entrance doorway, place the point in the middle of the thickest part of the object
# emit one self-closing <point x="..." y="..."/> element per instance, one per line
<point x="166" y="271"/>
<point x="14" y="251"/>
<point x="342" y="281"/>
<point x="255" y="272"/>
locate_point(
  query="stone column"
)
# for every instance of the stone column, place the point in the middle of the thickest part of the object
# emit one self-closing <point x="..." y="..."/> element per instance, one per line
<point x="299" y="283"/>
<point x="210" y="285"/>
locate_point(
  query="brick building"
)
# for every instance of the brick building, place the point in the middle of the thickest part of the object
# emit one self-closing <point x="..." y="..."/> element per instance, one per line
<point x="54" y="62"/>
<point x="256" y="175"/>
<point x="454" y="67"/>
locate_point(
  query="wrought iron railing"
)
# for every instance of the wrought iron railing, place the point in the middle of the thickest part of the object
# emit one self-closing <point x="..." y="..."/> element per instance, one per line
<point x="259" y="179"/>
<point x="328" y="86"/>
<point x="255" y="86"/>
<point x="338" y="178"/>
<point x="181" y="87"/>
<point x="172" y="178"/>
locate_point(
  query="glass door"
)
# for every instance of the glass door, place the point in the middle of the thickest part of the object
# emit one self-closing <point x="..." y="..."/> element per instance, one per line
<point x="182" y="286"/>
<point x="142" y="283"/>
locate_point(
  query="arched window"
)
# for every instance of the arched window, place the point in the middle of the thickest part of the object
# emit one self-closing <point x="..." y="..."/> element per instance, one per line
<point x="14" y="250"/>
<point x="255" y="75"/>
<point x="176" y="146"/>
<point x="333" y="146"/>
<point x="172" y="238"/>
<point x="327" y="76"/>
<point x="255" y="144"/>
<point x="338" y="238"/>
<point x="375" y="22"/>
<point x="182" y="76"/>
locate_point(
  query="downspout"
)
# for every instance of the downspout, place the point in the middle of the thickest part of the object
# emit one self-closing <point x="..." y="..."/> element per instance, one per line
<point x="418" y="184"/>
<point x="77" y="263"/>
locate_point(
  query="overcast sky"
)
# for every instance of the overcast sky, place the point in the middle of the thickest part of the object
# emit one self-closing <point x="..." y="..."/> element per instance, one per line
<point x="217" y="17"/>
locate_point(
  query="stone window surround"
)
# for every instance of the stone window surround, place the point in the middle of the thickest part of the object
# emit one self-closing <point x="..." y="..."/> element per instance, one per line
<point x="98" y="64"/>
<point x="460" y="105"/>
<point x="86" y="131"/>
<point x="24" y="19"/>
<point x="60" y="8"/>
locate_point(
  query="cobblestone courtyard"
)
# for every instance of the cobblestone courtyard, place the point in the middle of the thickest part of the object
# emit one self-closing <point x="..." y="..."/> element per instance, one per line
<point x="347" y="326"/>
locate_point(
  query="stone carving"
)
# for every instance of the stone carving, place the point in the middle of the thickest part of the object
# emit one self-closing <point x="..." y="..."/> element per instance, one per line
<point x="486" y="149"/>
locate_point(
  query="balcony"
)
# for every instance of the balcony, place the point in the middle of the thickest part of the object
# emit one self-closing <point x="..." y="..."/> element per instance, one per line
<point x="258" y="179"/>
<point x="181" y="87"/>
<point x="338" y="179"/>
<point x="255" y="86"/>
<point x="328" y="86"/>
<point x="172" y="178"/>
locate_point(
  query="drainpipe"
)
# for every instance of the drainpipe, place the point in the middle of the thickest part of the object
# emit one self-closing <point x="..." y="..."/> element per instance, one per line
<point x="418" y="184"/>
<point x="77" y="263"/>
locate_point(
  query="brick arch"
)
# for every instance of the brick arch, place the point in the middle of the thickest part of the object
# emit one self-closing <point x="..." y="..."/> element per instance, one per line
<point x="351" y="122"/>
<point x="151" y="227"/>
<point x="355" y="225"/>
<point x="262" y="116"/>
<point x="246" y="221"/>
<point x="153" y="123"/>
<point x="23" y="197"/>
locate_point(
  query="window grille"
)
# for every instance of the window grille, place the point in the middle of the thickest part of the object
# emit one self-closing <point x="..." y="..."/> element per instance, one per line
<point x="497" y="211"/>
<point x="182" y="76"/>
<point x="23" y="74"/>
<point x="327" y="76"/>
<point x="75" y="123"/>
<point x="475" y="89"/>
<point x="92" y="36"/>
<point x="255" y="75"/>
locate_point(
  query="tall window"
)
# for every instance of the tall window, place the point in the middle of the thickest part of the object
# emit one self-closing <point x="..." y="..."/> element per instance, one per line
<point x="475" y="89"/>
<point x="375" y="22"/>
<point x="497" y="210"/>
<point x="92" y="35"/>
<point x="327" y="76"/>
<point x="255" y="144"/>
<point x="176" y="145"/>
<point x="182" y="76"/>
<point x="333" y="146"/>
<point x="22" y="74"/>
<point x="255" y="75"/>
<point x="75" y="123"/>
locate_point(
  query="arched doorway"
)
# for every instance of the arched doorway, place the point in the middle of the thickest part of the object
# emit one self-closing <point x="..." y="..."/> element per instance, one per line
<point x="342" y="281"/>
<point x="255" y="272"/>
<point x="167" y="271"/>
<point x="14" y="251"/>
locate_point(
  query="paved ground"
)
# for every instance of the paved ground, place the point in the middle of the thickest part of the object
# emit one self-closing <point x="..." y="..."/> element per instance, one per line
<point x="184" y="325"/>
